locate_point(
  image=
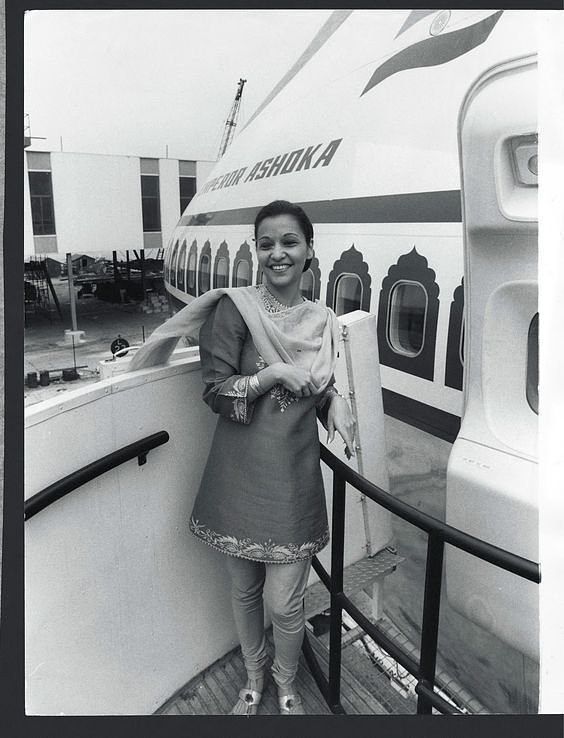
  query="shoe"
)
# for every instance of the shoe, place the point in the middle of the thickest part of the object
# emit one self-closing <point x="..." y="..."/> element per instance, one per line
<point x="250" y="699"/>
<point x="291" y="704"/>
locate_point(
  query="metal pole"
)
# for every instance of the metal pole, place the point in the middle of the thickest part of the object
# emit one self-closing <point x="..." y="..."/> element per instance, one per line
<point x="72" y="297"/>
<point x="431" y="614"/>
<point x="337" y="555"/>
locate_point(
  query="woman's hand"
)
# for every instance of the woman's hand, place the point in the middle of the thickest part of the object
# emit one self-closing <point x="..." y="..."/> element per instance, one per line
<point x="340" y="419"/>
<point x="295" y="379"/>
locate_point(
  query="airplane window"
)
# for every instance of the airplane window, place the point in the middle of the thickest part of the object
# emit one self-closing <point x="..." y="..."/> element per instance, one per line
<point x="192" y="272"/>
<point x="307" y="285"/>
<point x="204" y="276"/>
<point x="168" y="262"/>
<point x="533" y="365"/>
<point x="406" y="318"/>
<point x="173" y="265"/>
<point x="222" y="273"/>
<point x="242" y="274"/>
<point x="181" y="270"/>
<point x="348" y="294"/>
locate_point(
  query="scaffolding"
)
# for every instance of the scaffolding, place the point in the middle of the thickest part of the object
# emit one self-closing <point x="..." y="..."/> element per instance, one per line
<point x="38" y="288"/>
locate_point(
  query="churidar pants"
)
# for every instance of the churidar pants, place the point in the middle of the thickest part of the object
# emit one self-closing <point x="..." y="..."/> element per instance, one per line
<point x="282" y="588"/>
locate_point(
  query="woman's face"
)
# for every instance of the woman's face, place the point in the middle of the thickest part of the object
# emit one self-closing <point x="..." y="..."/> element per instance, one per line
<point x="282" y="251"/>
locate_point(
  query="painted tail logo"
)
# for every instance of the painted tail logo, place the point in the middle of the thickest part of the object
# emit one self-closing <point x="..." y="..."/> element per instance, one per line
<point x="435" y="50"/>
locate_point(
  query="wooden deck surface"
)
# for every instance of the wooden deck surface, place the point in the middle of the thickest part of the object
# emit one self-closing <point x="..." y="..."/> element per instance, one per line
<point x="214" y="691"/>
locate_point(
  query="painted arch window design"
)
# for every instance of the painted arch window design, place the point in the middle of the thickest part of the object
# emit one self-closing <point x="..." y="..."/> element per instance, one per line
<point x="348" y="286"/>
<point x="221" y="266"/>
<point x="533" y="364"/>
<point x="348" y="293"/>
<point x="173" y="261"/>
<point x="168" y="261"/>
<point x="310" y="284"/>
<point x="204" y="270"/>
<point x="454" y="367"/>
<point x="408" y="309"/>
<point x="191" y="269"/>
<point x="181" y="268"/>
<point x="243" y="266"/>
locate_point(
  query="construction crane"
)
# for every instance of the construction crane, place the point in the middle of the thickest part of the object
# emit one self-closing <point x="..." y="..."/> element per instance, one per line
<point x="231" y="121"/>
<point x="27" y="132"/>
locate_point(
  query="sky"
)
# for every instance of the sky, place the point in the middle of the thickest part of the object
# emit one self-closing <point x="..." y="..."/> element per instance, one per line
<point x="133" y="82"/>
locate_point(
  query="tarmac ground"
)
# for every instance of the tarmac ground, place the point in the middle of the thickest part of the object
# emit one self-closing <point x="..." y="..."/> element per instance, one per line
<point x="47" y="349"/>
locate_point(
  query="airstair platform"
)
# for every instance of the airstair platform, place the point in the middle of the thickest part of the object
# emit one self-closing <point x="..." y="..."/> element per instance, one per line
<point x="364" y="688"/>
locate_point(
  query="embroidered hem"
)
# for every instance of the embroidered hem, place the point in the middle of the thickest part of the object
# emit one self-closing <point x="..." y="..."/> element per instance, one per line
<point x="267" y="552"/>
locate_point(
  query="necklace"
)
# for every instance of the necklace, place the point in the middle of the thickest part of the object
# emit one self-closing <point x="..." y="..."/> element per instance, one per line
<point x="271" y="303"/>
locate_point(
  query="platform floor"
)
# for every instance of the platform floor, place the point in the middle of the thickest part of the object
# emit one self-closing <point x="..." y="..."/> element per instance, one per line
<point x="214" y="691"/>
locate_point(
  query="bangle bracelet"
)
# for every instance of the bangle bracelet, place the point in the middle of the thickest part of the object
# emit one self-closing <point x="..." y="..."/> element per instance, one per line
<point x="254" y="384"/>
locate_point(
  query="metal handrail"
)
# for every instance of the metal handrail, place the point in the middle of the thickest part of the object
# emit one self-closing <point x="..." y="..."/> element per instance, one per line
<point x="87" y="473"/>
<point x="439" y="533"/>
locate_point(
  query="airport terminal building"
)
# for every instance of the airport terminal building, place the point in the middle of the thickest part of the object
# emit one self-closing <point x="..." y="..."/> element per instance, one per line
<point x="96" y="203"/>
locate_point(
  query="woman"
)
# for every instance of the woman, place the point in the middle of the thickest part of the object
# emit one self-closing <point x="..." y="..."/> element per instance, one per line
<point x="267" y="358"/>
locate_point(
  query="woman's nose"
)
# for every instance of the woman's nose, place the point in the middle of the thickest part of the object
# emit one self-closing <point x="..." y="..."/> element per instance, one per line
<point x="278" y="251"/>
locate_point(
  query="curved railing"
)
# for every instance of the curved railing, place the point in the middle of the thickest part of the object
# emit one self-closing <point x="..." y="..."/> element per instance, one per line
<point x="439" y="533"/>
<point x="87" y="473"/>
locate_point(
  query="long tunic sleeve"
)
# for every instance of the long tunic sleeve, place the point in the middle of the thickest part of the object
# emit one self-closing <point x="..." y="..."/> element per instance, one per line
<point x="222" y="338"/>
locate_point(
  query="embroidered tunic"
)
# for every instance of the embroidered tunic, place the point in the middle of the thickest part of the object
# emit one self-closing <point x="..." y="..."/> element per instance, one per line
<point x="261" y="496"/>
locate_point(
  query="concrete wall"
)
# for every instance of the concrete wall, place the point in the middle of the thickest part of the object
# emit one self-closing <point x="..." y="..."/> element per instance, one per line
<point x="170" y="197"/>
<point x="97" y="202"/>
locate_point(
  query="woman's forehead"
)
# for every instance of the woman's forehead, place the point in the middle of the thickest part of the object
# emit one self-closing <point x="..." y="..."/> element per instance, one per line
<point x="279" y="225"/>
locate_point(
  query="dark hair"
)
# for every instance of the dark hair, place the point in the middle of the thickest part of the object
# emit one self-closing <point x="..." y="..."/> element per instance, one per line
<point x="283" y="207"/>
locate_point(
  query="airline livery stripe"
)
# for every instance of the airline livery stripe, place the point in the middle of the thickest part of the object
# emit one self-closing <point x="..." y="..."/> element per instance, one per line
<point x="416" y="207"/>
<point x="436" y="50"/>
<point x="425" y="417"/>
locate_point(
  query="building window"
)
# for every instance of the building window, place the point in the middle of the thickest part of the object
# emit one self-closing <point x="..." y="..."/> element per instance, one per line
<point x="221" y="266"/>
<point x="150" y="203"/>
<point x="181" y="268"/>
<point x="204" y="272"/>
<point x="42" y="208"/>
<point x="533" y="365"/>
<point x="187" y="191"/>
<point x="406" y="318"/>
<point x="192" y="264"/>
<point x="348" y="294"/>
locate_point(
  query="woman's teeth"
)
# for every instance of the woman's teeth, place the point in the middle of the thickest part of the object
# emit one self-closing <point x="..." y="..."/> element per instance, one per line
<point x="280" y="267"/>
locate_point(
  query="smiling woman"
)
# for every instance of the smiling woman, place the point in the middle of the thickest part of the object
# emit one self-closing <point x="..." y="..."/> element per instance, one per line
<point x="268" y="357"/>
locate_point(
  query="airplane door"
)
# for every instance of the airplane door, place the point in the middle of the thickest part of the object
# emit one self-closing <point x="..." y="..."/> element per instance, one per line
<point x="492" y="471"/>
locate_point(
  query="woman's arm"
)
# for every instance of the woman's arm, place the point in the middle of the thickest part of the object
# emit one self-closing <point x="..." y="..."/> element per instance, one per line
<point x="222" y="337"/>
<point x="335" y="414"/>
